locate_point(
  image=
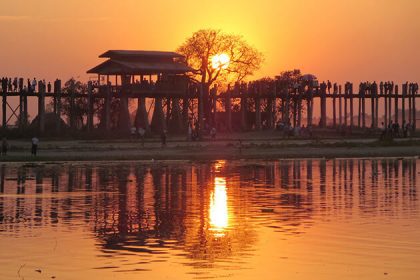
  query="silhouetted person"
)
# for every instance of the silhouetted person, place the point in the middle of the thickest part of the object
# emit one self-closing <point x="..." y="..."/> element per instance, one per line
<point x="323" y="87"/>
<point x="49" y="87"/>
<point x="35" y="142"/>
<point x="4" y="146"/>
<point x="404" y="129"/>
<point x="390" y="129"/>
<point x="329" y="86"/>
<point x="163" y="138"/>
<point x="29" y="86"/>
<point x="213" y="133"/>
<point x="20" y="84"/>
<point x="383" y="131"/>
<point x="10" y="85"/>
<point x="190" y="132"/>
<point x="374" y="88"/>
<point x="142" y="133"/>
<point x="4" y="84"/>
<point x="408" y="130"/>
<point x="335" y="88"/>
<point x="33" y="85"/>
<point x="15" y="84"/>
<point x="133" y="132"/>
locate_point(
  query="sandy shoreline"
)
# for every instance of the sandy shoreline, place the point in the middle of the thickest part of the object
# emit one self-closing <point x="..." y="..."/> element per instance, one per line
<point x="54" y="151"/>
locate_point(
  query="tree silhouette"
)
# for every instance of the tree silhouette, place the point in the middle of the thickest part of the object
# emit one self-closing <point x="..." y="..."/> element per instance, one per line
<point x="204" y="44"/>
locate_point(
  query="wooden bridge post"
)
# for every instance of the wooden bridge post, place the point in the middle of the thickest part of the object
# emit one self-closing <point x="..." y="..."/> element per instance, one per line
<point x="214" y="97"/>
<point x="185" y="108"/>
<point x="57" y="93"/>
<point x="200" y="111"/>
<point x="299" y="107"/>
<point x="72" y="92"/>
<point x="404" y="94"/>
<point x="175" y="121"/>
<point x="270" y="110"/>
<point x="413" y="109"/>
<point x="90" y="107"/>
<point x="376" y="108"/>
<point x="359" y="115"/>
<point x="124" y="119"/>
<point x="21" y="116"/>
<point x="334" y="107"/>
<point x="345" y="103"/>
<point x="4" y="110"/>
<point x="295" y="101"/>
<point x="41" y="107"/>
<point x="169" y="110"/>
<point x="409" y="104"/>
<point x="385" y="107"/>
<point x="372" y="106"/>
<point x="108" y="108"/>
<point x="274" y="107"/>
<point x="228" y="110"/>
<point x="340" y="106"/>
<point x="283" y="107"/>
<point x="244" y="91"/>
<point x="323" y="107"/>
<point x="158" y="119"/>
<point x="396" y="104"/>
<point x="309" y="105"/>
<point x="25" y="108"/>
<point x="144" y="116"/>
<point x="351" y="105"/>
<point x="258" y="106"/>
<point x="286" y="101"/>
<point x="55" y="98"/>
<point x="390" y="91"/>
<point x="363" y="97"/>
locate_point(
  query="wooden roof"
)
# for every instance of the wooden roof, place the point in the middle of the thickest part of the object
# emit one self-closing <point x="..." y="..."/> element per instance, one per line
<point x="123" y="62"/>
<point x="139" y="54"/>
<point x="115" y="67"/>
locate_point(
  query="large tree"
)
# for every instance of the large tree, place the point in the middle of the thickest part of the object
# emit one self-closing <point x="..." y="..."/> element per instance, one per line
<point x="204" y="44"/>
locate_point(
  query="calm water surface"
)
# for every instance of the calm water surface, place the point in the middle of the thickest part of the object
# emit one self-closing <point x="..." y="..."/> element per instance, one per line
<point x="294" y="219"/>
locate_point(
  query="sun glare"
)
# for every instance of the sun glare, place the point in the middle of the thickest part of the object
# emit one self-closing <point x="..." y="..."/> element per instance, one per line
<point x="220" y="61"/>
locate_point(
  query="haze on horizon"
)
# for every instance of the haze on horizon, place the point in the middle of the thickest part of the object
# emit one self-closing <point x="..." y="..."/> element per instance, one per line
<point x="338" y="40"/>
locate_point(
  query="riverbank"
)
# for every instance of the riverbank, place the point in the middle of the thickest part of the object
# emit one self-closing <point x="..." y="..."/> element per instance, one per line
<point x="178" y="149"/>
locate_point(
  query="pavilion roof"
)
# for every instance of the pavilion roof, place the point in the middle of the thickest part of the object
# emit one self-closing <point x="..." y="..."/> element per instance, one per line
<point x="129" y="62"/>
<point x="140" y="54"/>
<point x="115" y="67"/>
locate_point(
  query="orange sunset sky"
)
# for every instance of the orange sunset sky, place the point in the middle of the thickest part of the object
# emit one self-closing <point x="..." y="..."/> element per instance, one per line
<point x="337" y="40"/>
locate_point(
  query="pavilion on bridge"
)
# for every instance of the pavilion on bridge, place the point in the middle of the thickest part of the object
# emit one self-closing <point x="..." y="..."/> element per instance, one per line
<point x="142" y="74"/>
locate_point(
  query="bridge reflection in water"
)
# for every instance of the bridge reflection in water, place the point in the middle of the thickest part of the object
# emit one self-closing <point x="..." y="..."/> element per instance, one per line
<point x="201" y="216"/>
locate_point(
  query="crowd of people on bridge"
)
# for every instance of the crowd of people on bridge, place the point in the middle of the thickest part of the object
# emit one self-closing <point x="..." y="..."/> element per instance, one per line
<point x="387" y="87"/>
<point x="19" y="85"/>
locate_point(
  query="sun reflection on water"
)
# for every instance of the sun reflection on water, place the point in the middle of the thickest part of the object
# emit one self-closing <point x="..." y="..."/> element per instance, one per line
<point x="219" y="216"/>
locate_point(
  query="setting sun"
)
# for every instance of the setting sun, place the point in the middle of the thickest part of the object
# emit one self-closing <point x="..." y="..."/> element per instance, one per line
<point x="220" y="61"/>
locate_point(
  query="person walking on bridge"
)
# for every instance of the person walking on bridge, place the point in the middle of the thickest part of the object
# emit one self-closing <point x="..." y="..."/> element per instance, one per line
<point x="33" y="85"/>
<point x="35" y="142"/>
<point x="4" y="146"/>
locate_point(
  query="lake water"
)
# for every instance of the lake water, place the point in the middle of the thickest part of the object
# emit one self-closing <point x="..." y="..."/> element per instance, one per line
<point x="286" y="219"/>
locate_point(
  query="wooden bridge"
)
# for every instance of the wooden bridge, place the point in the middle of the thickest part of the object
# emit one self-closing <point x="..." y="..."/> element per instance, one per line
<point x="160" y="78"/>
<point x="398" y="107"/>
